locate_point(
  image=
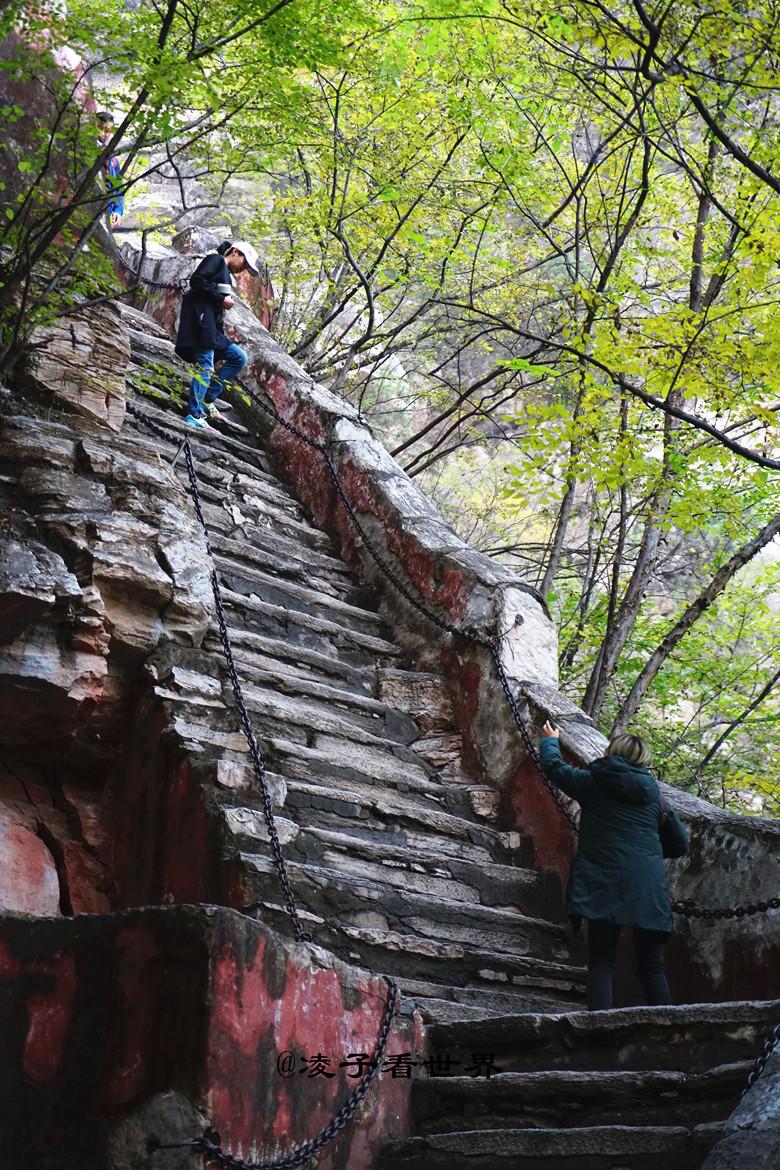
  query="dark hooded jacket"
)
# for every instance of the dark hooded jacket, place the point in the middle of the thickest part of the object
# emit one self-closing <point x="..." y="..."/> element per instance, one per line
<point x="203" y="309"/>
<point x="618" y="873"/>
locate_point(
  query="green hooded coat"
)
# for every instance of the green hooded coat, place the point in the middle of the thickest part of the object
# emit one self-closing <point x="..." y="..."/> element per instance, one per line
<point x="618" y="872"/>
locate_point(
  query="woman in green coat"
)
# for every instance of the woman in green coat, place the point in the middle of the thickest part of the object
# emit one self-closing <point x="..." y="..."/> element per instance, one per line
<point x="618" y="877"/>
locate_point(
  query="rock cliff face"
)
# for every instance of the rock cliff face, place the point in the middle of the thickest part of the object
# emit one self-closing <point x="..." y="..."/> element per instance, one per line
<point x="100" y="562"/>
<point x="82" y="360"/>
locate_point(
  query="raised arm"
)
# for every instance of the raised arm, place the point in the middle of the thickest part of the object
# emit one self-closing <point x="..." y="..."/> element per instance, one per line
<point x="575" y="782"/>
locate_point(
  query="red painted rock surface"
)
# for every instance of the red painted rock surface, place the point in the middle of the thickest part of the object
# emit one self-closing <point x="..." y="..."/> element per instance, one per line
<point x="103" y="1014"/>
<point x="28" y="874"/>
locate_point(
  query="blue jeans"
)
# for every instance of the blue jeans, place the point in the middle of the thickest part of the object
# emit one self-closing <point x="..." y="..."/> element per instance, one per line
<point x="206" y="386"/>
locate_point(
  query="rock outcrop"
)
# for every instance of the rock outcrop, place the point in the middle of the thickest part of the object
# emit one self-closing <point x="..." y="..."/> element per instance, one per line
<point x="82" y="360"/>
<point x="99" y="562"/>
<point x="752" y="1132"/>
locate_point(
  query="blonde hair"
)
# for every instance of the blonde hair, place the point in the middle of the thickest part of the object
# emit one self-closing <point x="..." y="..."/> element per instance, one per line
<point x="631" y="748"/>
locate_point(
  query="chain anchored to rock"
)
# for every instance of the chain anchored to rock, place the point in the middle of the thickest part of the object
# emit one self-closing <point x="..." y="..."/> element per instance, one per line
<point x="688" y="909"/>
<point x="210" y="1146"/>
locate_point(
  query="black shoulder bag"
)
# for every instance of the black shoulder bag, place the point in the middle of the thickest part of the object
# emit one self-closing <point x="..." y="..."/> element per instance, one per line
<point x="674" y="842"/>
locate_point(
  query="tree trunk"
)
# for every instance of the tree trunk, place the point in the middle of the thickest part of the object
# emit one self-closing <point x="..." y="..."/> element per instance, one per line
<point x="691" y="615"/>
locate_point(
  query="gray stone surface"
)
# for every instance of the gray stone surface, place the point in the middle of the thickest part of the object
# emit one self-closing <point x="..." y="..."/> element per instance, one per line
<point x="135" y="1139"/>
<point x="32" y="579"/>
<point x="81" y="360"/>
<point x="752" y="1132"/>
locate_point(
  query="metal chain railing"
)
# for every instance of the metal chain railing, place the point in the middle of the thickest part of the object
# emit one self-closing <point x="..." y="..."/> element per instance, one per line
<point x="771" y="1042"/>
<point x="258" y="763"/>
<point x="688" y="909"/>
<point x="211" y="1148"/>
<point x="492" y="645"/>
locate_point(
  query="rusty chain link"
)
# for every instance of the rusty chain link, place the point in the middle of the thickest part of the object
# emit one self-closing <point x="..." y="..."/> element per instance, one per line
<point x="688" y="909"/>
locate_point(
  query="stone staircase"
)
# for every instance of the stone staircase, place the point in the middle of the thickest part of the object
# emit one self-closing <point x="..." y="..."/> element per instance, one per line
<point x="629" y="1089"/>
<point x="400" y="863"/>
<point x="397" y="855"/>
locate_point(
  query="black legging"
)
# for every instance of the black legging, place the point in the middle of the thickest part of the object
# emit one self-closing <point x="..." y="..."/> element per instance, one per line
<point x="603" y="939"/>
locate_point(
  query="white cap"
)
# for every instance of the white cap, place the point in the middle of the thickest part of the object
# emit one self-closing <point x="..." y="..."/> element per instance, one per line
<point x="249" y="253"/>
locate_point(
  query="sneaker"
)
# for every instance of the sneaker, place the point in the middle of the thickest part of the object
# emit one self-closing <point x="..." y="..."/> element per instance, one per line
<point x="200" y="423"/>
<point x="212" y="411"/>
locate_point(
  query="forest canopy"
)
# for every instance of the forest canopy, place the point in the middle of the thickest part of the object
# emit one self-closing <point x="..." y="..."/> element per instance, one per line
<point x="537" y="245"/>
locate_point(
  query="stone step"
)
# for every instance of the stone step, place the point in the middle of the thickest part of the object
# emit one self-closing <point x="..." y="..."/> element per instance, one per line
<point x="275" y="709"/>
<point x="228" y="513"/>
<point x="440" y="1003"/>
<point x="393" y="785"/>
<point x="314" y="845"/>
<point x="156" y="373"/>
<point x="396" y="863"/>
<point x="263" y="498"/>
<point x="258" y="616"/>
<point x="203" y="443"/>
<point x="251" y="481"/>
<point x="382" y="858"/>
<point x="570" y="1097"/>
<point x="693" y="1037"/>
<point x="260" y="651"/>
<point x="410" y="824"/>
<point x="303" y="596"/>
<point x="431" y="964"/>
<point x="617" y="1147"/>
<point x="286" y="556"/>
<point x="290" y="680"/>
<point x="474" y="935"/>
<point x="205" y="714"/>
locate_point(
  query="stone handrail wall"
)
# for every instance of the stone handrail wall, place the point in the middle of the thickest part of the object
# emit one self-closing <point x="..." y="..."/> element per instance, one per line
<point x="733" y="859"/>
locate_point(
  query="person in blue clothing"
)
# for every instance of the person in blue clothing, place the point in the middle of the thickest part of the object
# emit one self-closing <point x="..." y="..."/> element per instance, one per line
<point x="618" y="876"/>
<point x="200" y="338"/>
<point x="111" y="171"/>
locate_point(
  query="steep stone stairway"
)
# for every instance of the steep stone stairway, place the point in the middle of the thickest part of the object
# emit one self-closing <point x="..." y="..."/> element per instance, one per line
<point x="395" y="854"/>
<point x="629" y="1089"/>
<point x="398" y="860"/>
